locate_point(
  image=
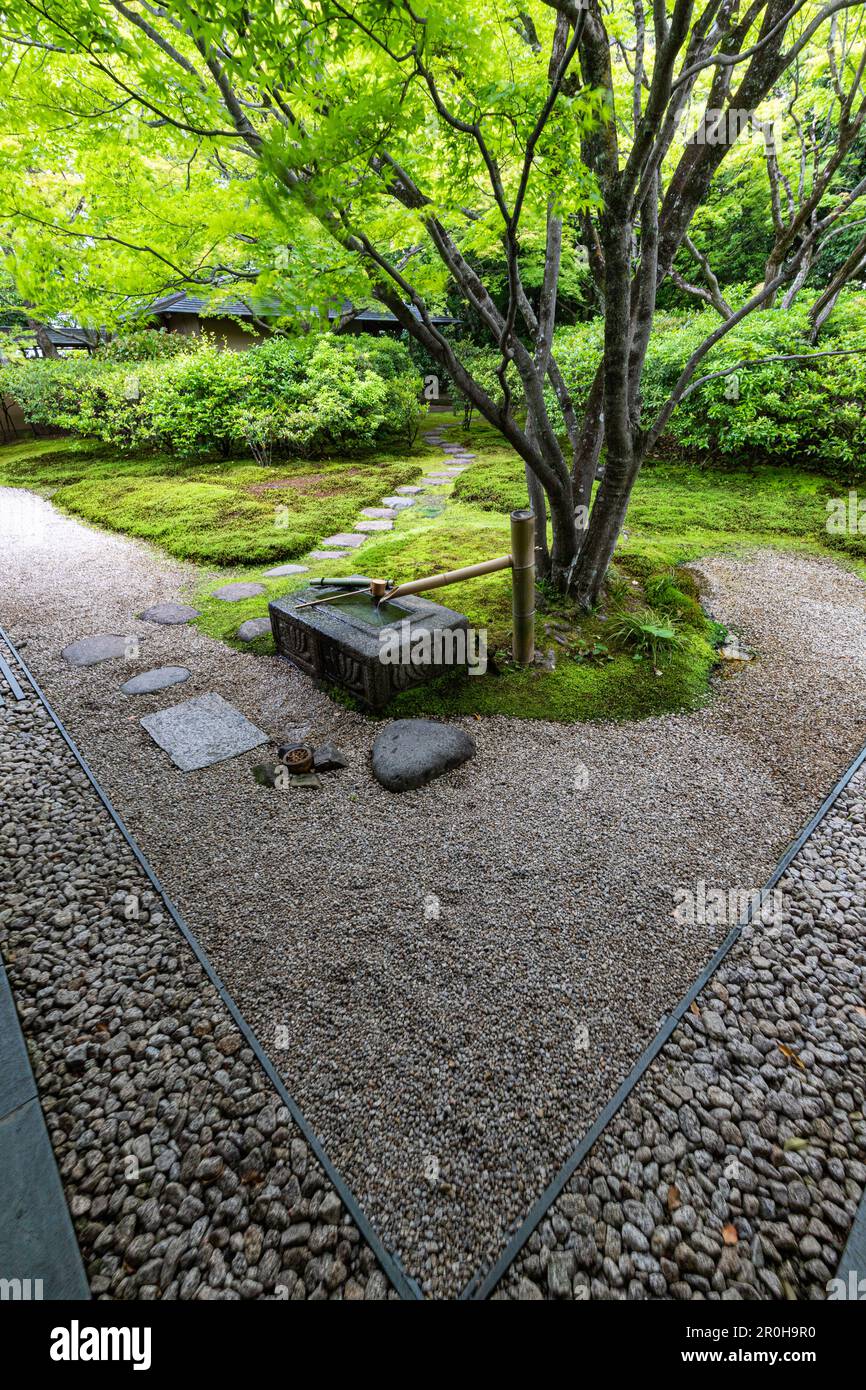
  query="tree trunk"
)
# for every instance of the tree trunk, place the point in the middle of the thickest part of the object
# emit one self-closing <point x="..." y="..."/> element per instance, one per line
<point x="605" y="523"/>
<point x="538" y="503"/>
<point x="43" y="342"/>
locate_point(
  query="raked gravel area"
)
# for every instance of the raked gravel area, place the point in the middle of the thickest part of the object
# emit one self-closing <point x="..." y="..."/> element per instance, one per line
<point x="420" y="966"/>
<point x="735" y="1167"/>
<point x="184" y="1172"/>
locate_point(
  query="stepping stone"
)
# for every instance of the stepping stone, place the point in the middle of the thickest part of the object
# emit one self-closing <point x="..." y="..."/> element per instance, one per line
<point x="409" y="490"/>
<point x="437" y="479"/>
<point x="411" y="752"/>
<point x="344" y="538"/>
<point x="281" y="570"/>
<point x="202" y="731"/>
<point x="169" y="613"/>
<point x="451" y="449"/>
<point x="233" y="593"/>
<point x="463" y="455"/>
<point x="383" y="513"/>
<point x="328" y="555"/>
<point x="253" y="628"/>
<point x="398" y="503"/>
<point x="157" y="679"/>
<point x="88" y="651"/>
<point x="374" y="526"/>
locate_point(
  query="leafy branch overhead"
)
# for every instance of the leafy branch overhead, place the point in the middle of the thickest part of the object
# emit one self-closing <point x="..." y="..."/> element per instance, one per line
<point x="400" y="152"/>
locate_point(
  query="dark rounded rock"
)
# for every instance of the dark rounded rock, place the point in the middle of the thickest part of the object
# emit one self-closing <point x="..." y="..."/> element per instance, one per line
<point x="411" y="752"/>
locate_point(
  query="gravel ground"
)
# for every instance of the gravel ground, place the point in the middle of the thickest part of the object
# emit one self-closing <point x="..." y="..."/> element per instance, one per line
<point x="184" y="1172"/>
<point x="734" y="1169"/>
<point x="420" y="968"/>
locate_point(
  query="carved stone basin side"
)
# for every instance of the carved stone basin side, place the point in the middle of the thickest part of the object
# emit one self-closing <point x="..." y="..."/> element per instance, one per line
<point x="343" y="644"/>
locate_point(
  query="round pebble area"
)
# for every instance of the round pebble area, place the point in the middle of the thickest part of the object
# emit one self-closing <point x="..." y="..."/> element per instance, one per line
<point x="417" y="965"/>
<point x="184" y="1172"/>
<point x="734" y="1169"/>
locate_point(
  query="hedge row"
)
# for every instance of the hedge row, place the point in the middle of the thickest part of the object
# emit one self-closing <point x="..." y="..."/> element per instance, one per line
<point x="291" y="397"/>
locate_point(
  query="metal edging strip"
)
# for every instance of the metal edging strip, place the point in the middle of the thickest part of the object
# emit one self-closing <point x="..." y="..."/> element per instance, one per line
<point x="482" y="1285"/>
<point x="403" y="1283"/>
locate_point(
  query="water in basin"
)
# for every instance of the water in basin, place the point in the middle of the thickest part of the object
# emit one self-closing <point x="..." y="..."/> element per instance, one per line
<point x="374" y="615"/>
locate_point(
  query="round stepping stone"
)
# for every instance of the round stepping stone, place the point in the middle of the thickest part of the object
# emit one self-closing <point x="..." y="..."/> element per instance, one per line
<point x="328" y="555"/>
<point x="88" y="651"/>
<point x="411" y="752"/>
<point x="344" y="538"/>
<point x="170" y="613"/>
<point x="280" y="570"/>
<point x="157" y="679"/>
<point x="253" y="628"/>
<point x="233" y="593"/>
<point x="398" y="503"/>
<point x="374" y="525"/>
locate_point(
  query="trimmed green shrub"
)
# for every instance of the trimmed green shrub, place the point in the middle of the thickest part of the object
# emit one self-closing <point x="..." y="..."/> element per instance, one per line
<point x="284" y="396"/>
<point x="808" y="413"/>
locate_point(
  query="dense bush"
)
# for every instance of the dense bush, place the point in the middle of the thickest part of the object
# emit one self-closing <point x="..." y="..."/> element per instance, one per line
<point x="285" y="396"/>
<point x="798" y="411"/>
<point x="145" y="345"/>
<point x="481" y="361"/>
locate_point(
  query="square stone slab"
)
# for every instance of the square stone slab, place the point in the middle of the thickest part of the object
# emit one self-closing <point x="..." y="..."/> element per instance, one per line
<point x="158" y="679"/>
<point x="379" y="525"/>
<point x="170" y="613"/>
<point x="233" y="593"/>
<point x="379" y="513"/>
<point x="88" y="651"/>
<point x="280" y="570"/>
<point x="202" y="731"/>
<point x="347" y="538"/>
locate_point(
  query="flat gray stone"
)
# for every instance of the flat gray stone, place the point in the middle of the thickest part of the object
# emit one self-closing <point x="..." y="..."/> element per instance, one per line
<point x="398" y="503"/>
<point x="17" y="1085"/>
<point x="36" y="1236"/>
<point x="233" y="593"/>
<point x="344" y="538"/>
<point x="411" y="752"/>
<point x="202" y="731"/>
<point x="378" y="525"/>
<point x="379" y="513"/>
<point x="157" y="679"/>
<point x="280" y="570"/>
<point x="170" y="613"/>
<point x="328" y="554"/>
<point x="408" y="490"/>
<point x="253" y="628"/>
<point x="88" y="651"/>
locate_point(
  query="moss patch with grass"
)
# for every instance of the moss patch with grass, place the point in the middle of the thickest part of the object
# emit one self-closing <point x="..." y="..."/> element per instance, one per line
<point x="223" y="512"/>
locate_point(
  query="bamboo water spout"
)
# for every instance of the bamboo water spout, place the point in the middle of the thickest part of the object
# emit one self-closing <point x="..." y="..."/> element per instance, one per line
<point x="521" y="562"/>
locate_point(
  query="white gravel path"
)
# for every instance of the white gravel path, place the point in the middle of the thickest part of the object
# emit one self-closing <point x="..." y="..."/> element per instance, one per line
<point x="436" y="1056"/>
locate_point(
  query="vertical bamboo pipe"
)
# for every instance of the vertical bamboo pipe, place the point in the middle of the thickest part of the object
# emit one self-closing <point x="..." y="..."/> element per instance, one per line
<point x="523" y="586"/>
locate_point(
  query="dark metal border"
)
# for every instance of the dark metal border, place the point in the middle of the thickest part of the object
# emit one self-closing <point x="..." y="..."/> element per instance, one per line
<point x="404" y="1284"/>
<point x="482" y="1285"/>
